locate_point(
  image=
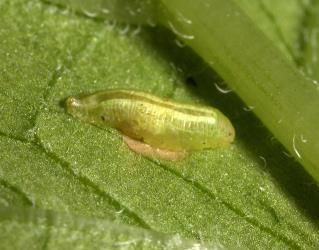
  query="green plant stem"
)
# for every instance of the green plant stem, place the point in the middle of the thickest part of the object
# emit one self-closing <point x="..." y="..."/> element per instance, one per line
<point x="280" y="95"/>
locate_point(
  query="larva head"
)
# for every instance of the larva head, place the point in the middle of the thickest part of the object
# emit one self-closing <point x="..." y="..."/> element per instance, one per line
<point x="87" y="110"/>
<point x="75" y="107"/>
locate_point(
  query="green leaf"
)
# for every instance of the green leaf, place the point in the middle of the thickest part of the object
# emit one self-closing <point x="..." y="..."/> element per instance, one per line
<point x="49" y="230"/>
<point x="249" y="195"/>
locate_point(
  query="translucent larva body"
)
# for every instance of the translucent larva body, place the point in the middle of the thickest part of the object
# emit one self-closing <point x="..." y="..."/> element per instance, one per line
<point x="160" y="123"/>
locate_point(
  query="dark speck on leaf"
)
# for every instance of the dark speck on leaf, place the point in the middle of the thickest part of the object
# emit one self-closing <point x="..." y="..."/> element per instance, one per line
<point x="191" y="81"/>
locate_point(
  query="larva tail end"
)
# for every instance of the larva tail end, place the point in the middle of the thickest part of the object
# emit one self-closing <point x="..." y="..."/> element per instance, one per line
<point x="228" y="132"/>
<point x="231" y="134"/>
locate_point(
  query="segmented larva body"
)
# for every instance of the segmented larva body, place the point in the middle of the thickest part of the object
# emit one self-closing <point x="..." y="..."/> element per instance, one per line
<point x="160" y="123"/>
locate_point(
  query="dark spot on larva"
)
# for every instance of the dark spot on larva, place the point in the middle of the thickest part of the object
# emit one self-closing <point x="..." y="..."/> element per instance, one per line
<point x="191" y="81"/>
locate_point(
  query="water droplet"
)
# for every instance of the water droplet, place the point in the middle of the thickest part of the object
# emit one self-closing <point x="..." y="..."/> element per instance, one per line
<point x="303" y="139"/>
<point x="182" y="18"/>
<point x="295" y="148"/>
<point x="248" y="108"/>
<point x="89" y="13"/>
<point x="180" y="34"/>
<point x="273" y="139"/>
<point x="223" y="91"/>
<point x="179" y="43"/>
<point x="125" y="243"/>
<point x="125" y="30"/>
<point x="120" y="211"/>
<point x="105" y="11"/>
<point x="178" y="69"/>
<point x="264" y="160"/>
<point x="287" y="154"/>
<point x="137" y="30"/>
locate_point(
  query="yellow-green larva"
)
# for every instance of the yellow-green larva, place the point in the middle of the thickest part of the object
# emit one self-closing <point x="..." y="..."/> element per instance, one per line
<point x="157" y="122"/>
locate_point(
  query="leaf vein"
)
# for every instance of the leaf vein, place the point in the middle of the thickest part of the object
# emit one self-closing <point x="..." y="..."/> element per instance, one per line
<point x="87" y="182"/>
<point x="230" y="206"/>
<point x="16" y="190"/>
